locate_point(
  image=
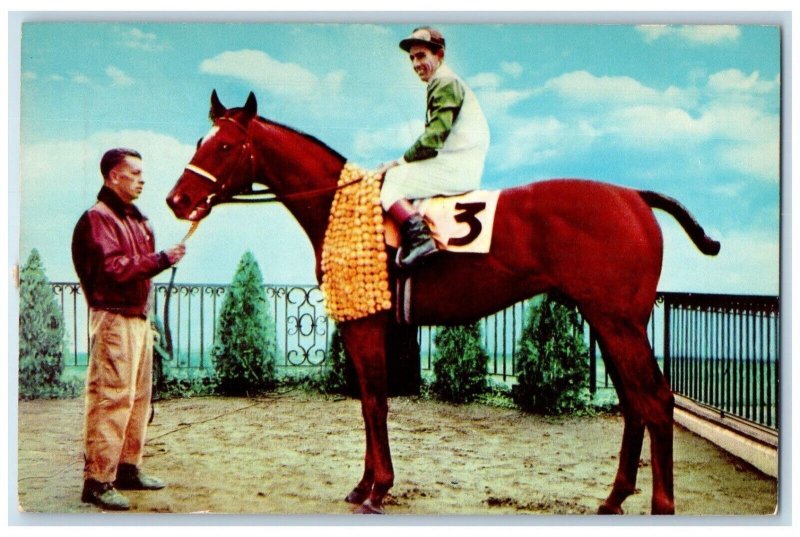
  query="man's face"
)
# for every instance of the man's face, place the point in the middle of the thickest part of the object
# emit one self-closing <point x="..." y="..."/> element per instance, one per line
<point x="126" y="179"/>
<point x="424" y="61"/>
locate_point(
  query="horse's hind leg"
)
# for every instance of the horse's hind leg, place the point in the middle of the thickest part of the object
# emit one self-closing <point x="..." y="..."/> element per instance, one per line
<point x="365" y="342"/>
<point x="647" y="401"/>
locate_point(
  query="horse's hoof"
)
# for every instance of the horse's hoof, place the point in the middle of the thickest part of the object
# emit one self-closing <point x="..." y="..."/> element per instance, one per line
<point x="667" y="508"/>
<point x="356" y="497"/>
<point x="606" y="509"/>
<point x="367" y="508"/>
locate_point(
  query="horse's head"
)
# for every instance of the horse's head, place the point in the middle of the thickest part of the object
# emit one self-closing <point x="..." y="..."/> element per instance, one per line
<point x="222" y="166"/>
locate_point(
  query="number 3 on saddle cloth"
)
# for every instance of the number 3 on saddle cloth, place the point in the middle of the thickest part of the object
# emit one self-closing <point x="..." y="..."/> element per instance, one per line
<point x="462" y="223"/>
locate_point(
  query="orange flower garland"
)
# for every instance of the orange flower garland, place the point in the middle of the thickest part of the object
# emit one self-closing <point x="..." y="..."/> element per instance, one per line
<point x="355" y="275"/>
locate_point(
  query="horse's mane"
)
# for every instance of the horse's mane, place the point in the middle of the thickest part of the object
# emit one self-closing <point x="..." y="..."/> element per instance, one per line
<point x="307" y="136"/>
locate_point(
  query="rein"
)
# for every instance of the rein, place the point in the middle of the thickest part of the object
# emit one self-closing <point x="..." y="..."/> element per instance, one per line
<point x="270" y="196"/>
<point x="273" y="197"/>
<point x="170" y="286"/>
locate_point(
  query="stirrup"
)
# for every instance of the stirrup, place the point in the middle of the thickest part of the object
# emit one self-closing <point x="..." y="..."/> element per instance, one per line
<point x="402" y="261"/>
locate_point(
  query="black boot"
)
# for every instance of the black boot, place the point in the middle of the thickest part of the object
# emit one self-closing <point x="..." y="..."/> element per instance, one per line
<point x="417" y="242"/>
<point x="129" y="477"/>
<point x="104" y="495"/>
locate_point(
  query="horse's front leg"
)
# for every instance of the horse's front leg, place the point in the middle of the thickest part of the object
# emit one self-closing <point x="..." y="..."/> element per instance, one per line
<point x="365" y="341"/>
<point x="362" y="490"/>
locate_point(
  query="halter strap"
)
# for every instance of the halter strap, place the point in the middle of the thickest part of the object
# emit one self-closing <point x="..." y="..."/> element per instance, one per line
<point x="202" y="173"/>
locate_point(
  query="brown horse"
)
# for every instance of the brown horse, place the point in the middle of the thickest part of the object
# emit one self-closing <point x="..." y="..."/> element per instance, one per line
<point x="596" y="245"/>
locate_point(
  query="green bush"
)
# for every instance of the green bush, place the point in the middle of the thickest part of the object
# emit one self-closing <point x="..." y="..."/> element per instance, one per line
<point x="460" y="364"/>
<point x="245" y="350"/>
<point x="41" y="334"/>
<point x="552" y="363"/>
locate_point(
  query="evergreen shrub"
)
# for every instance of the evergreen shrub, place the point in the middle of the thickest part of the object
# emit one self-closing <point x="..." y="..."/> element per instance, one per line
<point x="460" y="364"/>
<point x="552" y="361"/>
<point x="245" y="351"/>
<point x="41" y="335"/>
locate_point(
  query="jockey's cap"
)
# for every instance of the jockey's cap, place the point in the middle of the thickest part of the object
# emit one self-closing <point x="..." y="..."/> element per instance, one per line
<point x="425" y="35"/>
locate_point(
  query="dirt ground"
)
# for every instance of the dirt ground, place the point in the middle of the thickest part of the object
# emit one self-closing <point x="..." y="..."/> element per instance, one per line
<point x="301" y="453"/>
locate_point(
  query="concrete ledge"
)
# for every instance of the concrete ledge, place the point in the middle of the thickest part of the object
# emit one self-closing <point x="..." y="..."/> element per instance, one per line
<point x="755" y="445"/>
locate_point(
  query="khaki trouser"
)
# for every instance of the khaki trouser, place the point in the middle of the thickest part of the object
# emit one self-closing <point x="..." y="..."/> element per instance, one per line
<point x="118" y="387"/>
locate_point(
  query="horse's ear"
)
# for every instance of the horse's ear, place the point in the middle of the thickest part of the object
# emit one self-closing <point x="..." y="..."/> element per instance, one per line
<point x="251" y="106"/>
<point x="217" y="109"/>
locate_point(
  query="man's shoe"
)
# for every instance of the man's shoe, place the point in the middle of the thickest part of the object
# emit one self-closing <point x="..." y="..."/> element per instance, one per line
<point x="129" y="477"/>
<point x="417" y="243"/>
<point x="104" y="495"/>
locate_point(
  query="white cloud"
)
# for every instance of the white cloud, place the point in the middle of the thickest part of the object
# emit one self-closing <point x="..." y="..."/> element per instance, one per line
<point x="79" y="78"/>
<point x="138" y="39"/>
<point x="759" y="159"/>
<point x="709" y="34"/>
<point x="334" y="79"/>
<point x="740" y="138"/>
<point x="698" y="34"/>
<point x="535" y="141"/>
<point x="654" y="126"/>
<point x="484" y="80"/>
<point x="118" y="76"/>
<point x="496" y="102"/>
<point x="748" y="262"/>
<point x="370" y="145"/>
<point x="584" y="87"/>
<point x="265" y="72"/>
<point x="513" y="69"/>
<point x="651" y="32"/>
<point x="29" y="75"/>
<point x="737" y="82"/>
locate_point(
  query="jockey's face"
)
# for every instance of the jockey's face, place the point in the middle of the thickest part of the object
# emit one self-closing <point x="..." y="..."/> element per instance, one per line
<point x="424" y="61"/>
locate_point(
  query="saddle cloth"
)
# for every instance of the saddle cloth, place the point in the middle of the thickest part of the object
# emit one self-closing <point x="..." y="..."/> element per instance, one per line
<point x="461" y="223"/>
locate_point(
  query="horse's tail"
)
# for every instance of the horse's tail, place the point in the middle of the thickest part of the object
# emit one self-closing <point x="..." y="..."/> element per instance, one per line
<point x="704" y="243"/>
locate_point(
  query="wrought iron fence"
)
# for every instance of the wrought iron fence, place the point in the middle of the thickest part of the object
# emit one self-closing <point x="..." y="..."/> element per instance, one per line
<point x="301" y="322"/>
<point x="720" y="350"/>
<point x="724" y="351"/>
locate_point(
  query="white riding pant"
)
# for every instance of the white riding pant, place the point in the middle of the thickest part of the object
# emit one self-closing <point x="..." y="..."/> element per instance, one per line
<point x="446" y="174"/>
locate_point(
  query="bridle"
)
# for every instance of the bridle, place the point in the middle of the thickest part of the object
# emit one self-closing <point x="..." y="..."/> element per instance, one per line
<point x="265" y="195"/>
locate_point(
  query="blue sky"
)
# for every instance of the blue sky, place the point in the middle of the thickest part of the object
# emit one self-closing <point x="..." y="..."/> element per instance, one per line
<point x="690" y="111"/>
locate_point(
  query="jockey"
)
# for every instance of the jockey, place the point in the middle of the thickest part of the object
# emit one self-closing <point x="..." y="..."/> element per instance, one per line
<point x="448" y="157"/>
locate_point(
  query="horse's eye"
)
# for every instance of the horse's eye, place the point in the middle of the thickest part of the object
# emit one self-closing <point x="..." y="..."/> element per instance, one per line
<point x="225" y="147"/>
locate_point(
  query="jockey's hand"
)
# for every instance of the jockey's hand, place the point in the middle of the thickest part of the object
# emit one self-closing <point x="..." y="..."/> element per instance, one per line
<point x="383" y="167"/>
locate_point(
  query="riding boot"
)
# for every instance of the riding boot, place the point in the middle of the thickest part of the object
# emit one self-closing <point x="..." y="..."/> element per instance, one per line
<point x="418" y="244"/>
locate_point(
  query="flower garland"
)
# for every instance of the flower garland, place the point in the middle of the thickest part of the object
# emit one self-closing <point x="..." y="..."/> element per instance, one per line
<point x="355" y="274"/>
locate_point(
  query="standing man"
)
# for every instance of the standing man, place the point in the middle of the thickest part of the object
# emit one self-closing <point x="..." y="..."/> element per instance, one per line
<point x="113" y="251"/>
<point x="447" y="158"/>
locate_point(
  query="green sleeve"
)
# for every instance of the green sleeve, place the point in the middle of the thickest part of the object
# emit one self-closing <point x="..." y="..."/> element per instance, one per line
<point x="445" y="97"/>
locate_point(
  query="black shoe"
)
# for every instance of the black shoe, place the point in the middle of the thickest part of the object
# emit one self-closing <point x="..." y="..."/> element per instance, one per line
<point x="417" y="243"/>
<point x="130" y="478"/>
<point x="104" y="495"/>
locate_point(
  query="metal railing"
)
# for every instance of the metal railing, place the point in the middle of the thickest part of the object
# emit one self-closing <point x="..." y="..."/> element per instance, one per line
<point x="720" y="350"/>
<point x="724" y="351"/>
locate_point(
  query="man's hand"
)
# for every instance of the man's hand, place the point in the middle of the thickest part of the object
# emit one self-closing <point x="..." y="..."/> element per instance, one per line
<point x="176" y="253"/>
